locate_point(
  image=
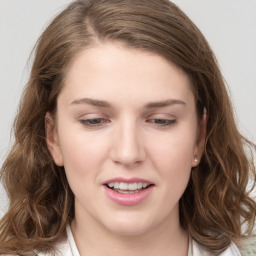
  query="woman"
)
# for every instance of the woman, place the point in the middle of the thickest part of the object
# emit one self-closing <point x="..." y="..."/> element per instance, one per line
<point x="125" y="141"/>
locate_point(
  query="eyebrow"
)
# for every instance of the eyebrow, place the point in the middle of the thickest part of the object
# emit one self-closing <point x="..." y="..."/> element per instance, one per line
<point x="105" y="104"/>
<point x="92" y="102"/>
<point x="165" y="103"/>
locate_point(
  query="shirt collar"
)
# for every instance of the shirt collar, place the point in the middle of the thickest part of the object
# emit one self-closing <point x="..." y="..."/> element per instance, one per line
<point x="194" y="249"/>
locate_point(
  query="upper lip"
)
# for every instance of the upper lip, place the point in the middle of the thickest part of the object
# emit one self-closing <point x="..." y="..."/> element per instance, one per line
<point x="127" y="180"/>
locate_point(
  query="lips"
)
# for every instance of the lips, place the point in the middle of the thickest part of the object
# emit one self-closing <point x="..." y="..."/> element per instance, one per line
<point x="128" y="192"/>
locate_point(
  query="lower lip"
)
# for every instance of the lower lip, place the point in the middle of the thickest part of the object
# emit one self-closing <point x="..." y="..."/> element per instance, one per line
<point x="129" y="199"/>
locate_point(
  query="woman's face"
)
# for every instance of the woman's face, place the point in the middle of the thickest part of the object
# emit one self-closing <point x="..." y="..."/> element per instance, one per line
<point x="126" y="131"/>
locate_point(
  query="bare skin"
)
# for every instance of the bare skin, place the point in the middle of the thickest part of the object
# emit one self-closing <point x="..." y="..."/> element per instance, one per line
<point x="131" y="114"/>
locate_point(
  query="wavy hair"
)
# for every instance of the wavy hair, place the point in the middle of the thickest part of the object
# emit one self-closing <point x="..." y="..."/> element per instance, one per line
<point x="216" y="202"/>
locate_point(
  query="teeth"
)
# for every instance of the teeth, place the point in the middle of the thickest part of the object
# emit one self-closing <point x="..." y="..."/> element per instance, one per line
<point x="123" y="186"/>
<point x="132" y="186"/>
<point x="127" y="191"/>
<point x="128" y="186"/>
<point x="111" y="185"/>
<point x="144" y="185"/>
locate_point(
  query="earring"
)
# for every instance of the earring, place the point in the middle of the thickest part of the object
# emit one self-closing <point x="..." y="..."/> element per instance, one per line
<point x="195" y="159"/>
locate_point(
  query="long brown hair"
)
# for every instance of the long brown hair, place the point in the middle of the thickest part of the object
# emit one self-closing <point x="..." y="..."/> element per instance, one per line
<point x="215" y="204"/>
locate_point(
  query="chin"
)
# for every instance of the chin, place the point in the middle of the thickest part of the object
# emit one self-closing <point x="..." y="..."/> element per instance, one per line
<point x="129" y="225"/>
<point x="128" y="230"/>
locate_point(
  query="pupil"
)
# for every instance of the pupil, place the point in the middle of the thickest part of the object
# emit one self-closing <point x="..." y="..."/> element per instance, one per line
<point x="160" y="121"/>
<point x="95" y="121"/>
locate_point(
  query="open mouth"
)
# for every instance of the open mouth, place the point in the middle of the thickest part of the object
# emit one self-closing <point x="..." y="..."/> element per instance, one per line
<point x="128" y="193"/>
<point x="128" y="188"/>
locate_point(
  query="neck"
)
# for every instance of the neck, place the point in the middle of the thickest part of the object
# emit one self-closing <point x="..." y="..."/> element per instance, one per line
<point x="165" y="240"/>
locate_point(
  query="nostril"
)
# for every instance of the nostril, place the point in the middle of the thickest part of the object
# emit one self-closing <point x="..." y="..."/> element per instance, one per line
<point x="128" y="150"/>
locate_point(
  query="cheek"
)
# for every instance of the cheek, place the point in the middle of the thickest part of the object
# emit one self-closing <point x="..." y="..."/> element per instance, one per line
<point x="173" y="151"/>
<point x="172" y="160"/>
<point x="82" y="162"/>
<point x="174" y="168"/>
<point x="83" y="153"/>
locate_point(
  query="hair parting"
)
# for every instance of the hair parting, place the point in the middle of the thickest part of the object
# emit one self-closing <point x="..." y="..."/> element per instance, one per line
<point x="216" y="204"/>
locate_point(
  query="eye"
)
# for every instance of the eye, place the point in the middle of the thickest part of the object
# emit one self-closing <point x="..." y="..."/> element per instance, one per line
<point x="163" y="122"/>
<point x="94" y="122"/>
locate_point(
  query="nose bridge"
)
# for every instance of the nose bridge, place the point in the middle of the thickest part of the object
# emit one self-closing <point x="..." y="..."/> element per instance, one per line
<point x="128" y="147"/>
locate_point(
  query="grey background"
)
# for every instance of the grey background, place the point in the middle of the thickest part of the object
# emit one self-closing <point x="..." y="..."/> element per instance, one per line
<point x="229" y="26"/>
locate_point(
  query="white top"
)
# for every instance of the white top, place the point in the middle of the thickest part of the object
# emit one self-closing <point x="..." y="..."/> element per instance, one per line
<point x="68" y="248"/>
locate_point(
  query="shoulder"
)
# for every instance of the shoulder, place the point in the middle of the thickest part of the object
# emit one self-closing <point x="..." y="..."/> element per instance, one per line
<point x="198" y="250"/>
<point x="248" y="246"/>
<point x="61" y="249"/>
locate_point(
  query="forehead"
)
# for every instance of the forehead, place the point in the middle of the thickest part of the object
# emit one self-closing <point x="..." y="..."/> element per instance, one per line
<point x="108" y="70"/>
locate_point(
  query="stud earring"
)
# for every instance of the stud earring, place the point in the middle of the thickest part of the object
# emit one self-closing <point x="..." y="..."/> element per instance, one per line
<point x="195" y="159"/>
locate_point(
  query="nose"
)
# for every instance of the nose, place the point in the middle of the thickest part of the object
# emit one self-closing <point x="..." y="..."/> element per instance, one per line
<point x="127" y="145"/>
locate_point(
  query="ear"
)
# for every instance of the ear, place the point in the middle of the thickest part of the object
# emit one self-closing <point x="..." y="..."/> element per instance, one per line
<point x="200" y="143"/>
<point x="53" y="140"/>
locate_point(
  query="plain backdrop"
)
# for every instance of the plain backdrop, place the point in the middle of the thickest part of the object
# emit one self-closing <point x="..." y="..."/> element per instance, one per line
<point x="228" y="25"/>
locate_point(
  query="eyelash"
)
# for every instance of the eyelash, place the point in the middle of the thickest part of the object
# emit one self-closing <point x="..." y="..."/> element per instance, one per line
<point x="94" y="122"/>
<point x="163" y="122"/>
<point x="97" y="122"/>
